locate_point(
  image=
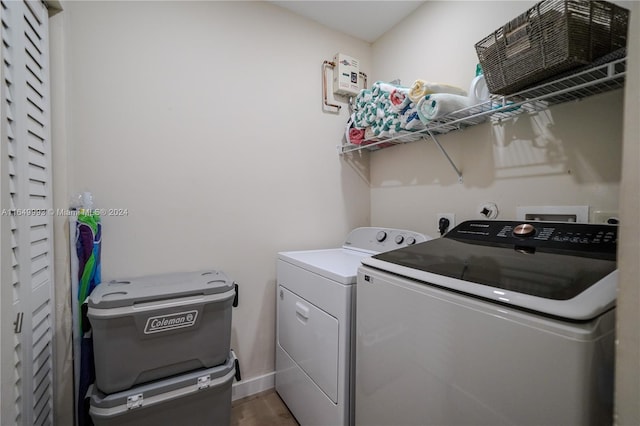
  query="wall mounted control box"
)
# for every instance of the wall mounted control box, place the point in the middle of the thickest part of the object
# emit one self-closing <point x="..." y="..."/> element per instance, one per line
<point x="346" y="75"/>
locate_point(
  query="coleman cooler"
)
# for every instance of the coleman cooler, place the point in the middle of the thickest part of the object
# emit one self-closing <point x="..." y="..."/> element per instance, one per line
<point x="201" y="397"/>
<point x="156" y="326"/>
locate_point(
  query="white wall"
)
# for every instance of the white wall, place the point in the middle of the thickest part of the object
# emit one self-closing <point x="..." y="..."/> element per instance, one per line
<point x="63" y="366"/>
<point x="569" y="155"/>
<point x="205" y="121"/>
<point x="628" y="309"/>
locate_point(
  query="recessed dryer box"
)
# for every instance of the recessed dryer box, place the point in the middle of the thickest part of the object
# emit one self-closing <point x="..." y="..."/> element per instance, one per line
<point x="201" y="397"/>
<point x="578" y="214"/>
<point x="151" y="327"/>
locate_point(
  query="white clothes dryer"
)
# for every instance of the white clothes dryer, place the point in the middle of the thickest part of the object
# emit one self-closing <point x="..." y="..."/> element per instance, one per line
<point x="316" y="320"/>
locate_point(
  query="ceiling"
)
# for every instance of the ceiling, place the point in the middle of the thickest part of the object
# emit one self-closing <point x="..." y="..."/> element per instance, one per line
<point x="366" y="20"/>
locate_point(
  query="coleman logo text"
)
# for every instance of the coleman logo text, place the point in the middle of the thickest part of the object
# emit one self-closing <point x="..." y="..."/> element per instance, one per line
<point x="170" y="322"/>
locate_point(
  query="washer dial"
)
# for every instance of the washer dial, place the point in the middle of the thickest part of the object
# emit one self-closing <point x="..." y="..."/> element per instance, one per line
<point x="524" y="230"/>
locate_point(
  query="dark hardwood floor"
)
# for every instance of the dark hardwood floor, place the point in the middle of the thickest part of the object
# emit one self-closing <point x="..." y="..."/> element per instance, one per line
<point x="262" y="409"/>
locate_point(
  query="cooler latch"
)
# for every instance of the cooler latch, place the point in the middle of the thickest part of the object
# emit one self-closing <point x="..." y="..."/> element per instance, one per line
<point x="134" y="401"/>
<point x="204" y="382"/>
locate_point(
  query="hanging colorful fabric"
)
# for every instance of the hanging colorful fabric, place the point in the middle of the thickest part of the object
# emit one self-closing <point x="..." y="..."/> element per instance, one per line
<point x="88" y="243"/>
<point x="88" y="248"/>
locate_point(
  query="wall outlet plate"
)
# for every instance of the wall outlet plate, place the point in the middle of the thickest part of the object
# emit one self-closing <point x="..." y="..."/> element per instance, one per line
<point x="452" y="221"/>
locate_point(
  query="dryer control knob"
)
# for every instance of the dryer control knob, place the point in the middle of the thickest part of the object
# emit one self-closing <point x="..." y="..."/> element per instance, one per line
<point x="399" y="239"/>
<point x="411" y="241"/>
<point x="524" y="230"/>
<point x="381" y="236"/>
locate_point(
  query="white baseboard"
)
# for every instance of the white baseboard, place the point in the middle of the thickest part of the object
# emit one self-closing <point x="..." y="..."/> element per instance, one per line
<point x="252" y="386"/>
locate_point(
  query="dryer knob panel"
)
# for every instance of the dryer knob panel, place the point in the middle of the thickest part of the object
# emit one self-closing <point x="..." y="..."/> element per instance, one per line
<point x="379" y="240"/>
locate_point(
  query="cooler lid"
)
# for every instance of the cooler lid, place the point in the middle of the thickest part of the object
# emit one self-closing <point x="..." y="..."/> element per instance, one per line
<point x="128" y="291"/>
<point x="179" y="385"/>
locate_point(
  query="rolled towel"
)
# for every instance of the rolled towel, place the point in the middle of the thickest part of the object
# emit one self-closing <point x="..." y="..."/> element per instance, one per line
<point x="356" y="136"/>
<point x="380" y="87"/>
<point x="369" y="134"/>
<point x="434" y="106"/>
<point x="420" y="88"/>
<point x="399" y="99"/>
<point x="362" y="119"/>
<point x="411" y="121"/>
<point x="365" y="116"/>
<point x="363" y="97"/>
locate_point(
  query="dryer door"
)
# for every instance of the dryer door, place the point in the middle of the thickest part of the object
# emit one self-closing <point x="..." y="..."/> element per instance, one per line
<point x="310" y="337"/>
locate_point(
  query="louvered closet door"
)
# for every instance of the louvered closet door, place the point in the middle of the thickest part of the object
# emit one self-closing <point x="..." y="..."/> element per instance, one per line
<point x="26" y="234"/>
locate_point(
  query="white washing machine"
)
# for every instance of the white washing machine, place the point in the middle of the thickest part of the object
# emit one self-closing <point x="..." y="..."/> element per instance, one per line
<point x="315" y="324"/>
<point x="497" y="323"/>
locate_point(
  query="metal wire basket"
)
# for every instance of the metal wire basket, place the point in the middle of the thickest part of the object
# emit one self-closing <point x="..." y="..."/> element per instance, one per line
<point x="551" y="37"/>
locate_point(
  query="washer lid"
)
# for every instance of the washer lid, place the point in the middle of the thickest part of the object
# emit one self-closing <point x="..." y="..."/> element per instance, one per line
<point x="541" y="270"/>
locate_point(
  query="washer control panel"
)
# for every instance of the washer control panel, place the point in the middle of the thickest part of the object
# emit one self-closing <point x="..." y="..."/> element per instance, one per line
<point x="382" y="239"/>
<point x="564" y="236"/>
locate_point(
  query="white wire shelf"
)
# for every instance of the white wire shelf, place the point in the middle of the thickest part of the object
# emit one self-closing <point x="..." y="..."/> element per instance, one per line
<point x="599" y="79"/>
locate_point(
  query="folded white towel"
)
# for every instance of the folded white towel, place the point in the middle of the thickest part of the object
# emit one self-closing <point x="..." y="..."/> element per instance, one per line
<point x="434" y="106"/>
